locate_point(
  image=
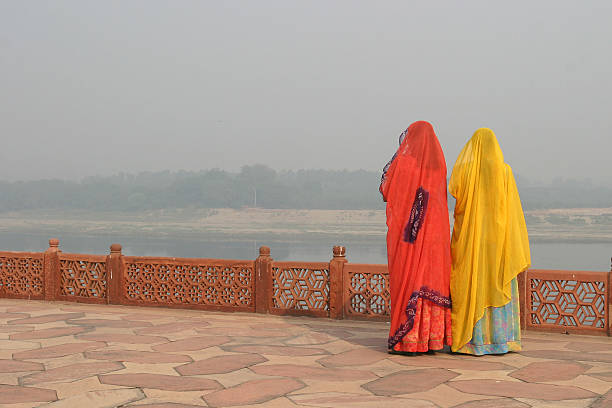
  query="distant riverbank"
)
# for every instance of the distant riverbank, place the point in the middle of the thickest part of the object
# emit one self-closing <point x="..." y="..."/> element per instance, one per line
<point x="563" y="225"/>
<point x="559" y="239"/>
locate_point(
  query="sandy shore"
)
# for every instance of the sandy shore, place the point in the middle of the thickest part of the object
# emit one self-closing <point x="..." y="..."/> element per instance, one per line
<point x="583" y="225"/>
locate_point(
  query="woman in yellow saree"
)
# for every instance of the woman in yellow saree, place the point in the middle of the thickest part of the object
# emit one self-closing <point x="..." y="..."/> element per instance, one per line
<point x="489" y="248"/>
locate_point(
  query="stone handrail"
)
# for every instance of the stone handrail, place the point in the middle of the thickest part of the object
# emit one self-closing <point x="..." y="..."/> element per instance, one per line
<point x="550" y="300"/>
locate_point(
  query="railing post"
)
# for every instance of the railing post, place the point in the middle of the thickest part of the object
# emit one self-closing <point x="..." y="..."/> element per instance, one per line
<point x="336" y="283"/>
<point x="114" y="275"/>
<point x="522" y="288"/>
<point x="263" y="280"/>
<point x="610" y="300"/>
<point x="51" y="270"/>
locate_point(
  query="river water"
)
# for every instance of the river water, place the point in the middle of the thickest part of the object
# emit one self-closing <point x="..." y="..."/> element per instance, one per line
<point x="544" y="255"/>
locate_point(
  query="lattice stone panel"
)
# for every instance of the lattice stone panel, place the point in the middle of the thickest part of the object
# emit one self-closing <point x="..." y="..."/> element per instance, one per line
<point x="21" y="275"/>
<point x="175" y="283"/>
<point x="300" y="287"/>
<point x="84" y="278"/>
<point x="572" y="303"/>
<point x="368" y="293"/>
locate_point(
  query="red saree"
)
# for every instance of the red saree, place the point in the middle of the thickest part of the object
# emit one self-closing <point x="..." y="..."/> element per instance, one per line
<point x="418" y="242"/>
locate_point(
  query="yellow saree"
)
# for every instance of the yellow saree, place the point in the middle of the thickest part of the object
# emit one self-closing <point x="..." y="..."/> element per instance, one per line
<point x="489" y="244"/>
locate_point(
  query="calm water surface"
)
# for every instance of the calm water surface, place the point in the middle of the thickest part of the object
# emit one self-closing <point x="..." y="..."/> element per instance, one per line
<point x="544" y="255"/>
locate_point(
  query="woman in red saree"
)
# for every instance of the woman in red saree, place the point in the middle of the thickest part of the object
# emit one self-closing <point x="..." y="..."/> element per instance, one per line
<point x="418" y="243"/>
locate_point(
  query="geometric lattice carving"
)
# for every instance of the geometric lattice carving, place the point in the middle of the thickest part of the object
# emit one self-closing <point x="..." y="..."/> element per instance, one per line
<point x="21" y="274"/>
<point x="573" y="303"/>
<point x="205" y="284"/>
<point x="368" y="293"/>
<point x="300" y="288"/>
<point x="83" y="278"/>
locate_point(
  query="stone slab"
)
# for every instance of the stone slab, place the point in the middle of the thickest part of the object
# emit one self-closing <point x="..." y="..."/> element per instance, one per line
<point x="275" y="350"/>
<point x="405" y="382"/>
<point x="569" y="355"/>
<point x="605" y="401"/>
<point x="220" y="364"/>
<point x="449" y="362"/>
<point x="145" y="357"/>
<point x="242" y="332"/>
<point x="15" y="366"/>
<point x="357" y="357"/>
<point x="512" y="389"/>
<point x="14" y="394"/>
<point x="550" y="371"/>
<point x="192" y="343"/>
<point x="99" y="399"/>
<point x="339" y="399"/>
<point x="171" y="328"/>
<point x="590" y="347"/>
<point x="316" y="373"/>
<point x="123" y="338"/>
<point x="48" y="318"/>
<point x="252" y="392"/>
<point x="109" y="323"/>
<point x="493" y="403"/>
<point x="59" y="350"/>
<point x="160" y="382"/>
<point x="72" y="372"/>
<point x="166" y="405"/>
<point x="48" y="333"/>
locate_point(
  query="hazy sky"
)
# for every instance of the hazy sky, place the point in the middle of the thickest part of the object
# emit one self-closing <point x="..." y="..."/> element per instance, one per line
<point x="100" y="87"/>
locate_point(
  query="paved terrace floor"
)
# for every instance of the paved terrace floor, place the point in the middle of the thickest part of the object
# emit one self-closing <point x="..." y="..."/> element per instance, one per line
<point x="75" y="355"/>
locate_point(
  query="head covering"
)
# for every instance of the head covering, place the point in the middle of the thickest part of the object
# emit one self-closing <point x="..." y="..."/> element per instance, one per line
<point x="489" y="246"/>
<point x="423" y="149"/>
<point x="418" y="238"/>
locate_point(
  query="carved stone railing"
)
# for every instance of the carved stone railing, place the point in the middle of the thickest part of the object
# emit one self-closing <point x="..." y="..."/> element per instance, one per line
<point x="300" y="288"/>
<point x="212" y="284"/>
<point x="82" y="278"/>
<point x="21" y="275"/>
<point x="366" y="288"/>
<point x="566" y="301"/>
<point x="562" y="301"/>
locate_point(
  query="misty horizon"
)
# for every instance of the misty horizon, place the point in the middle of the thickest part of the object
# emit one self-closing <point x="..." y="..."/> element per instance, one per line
<point x="521" y="179"/>
<point x="101" y="88"/>
<point x="256" y="186"/>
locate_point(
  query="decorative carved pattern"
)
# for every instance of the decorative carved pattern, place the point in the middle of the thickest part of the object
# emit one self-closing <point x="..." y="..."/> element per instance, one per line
<point x="423" y="293"/>
<point x="21" y="274"/>
<point x="368" y="293"/>
<point x="300" y="287"/>
<point x="417" y="215"/>
<point x="197" y="284"/>
<point x="573" y="303"/>
<point x="83" y="277"/>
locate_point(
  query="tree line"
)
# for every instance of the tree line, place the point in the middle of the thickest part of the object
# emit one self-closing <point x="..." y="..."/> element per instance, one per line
<point x="253" y="186"/>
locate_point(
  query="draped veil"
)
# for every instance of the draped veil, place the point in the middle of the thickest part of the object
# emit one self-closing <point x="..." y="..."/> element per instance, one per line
<point x="418" y="238"/>
<point x="489" y="245"/>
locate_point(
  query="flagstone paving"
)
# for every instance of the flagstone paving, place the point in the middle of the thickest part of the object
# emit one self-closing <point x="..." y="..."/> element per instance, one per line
<point x="55" y="354"/>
